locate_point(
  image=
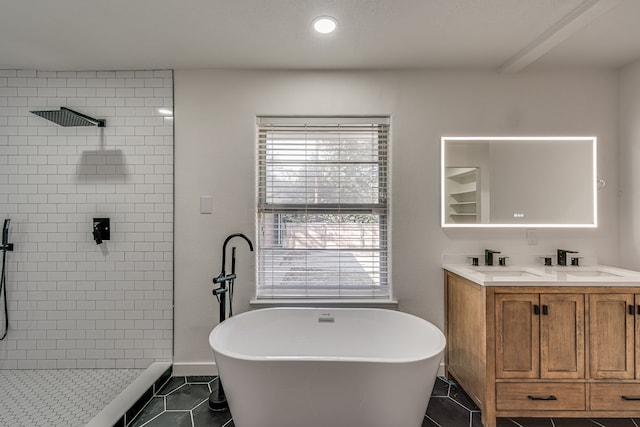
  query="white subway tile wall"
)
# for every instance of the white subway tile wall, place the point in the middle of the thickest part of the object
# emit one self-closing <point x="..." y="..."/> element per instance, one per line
<point x="72" y="303"/>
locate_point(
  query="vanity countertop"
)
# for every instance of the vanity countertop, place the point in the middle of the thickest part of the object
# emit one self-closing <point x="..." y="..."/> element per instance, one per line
<point x="537" y="275"/>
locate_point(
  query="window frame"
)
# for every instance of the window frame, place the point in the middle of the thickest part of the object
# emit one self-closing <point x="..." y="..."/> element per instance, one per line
<point x="382" y="209"/>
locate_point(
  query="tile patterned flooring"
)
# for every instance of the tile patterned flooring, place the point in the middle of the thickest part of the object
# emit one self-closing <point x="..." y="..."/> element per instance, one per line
<point x="59" y="397"/>
<point x="72" y="397"/>
<point x="183" y="402"/>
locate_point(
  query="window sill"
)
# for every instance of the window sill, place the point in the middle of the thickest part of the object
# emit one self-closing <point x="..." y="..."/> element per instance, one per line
<point x="347" y="303"/>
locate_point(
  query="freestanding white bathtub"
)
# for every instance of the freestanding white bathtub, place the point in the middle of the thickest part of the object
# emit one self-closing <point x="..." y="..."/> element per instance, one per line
<point x="309" y="367"/>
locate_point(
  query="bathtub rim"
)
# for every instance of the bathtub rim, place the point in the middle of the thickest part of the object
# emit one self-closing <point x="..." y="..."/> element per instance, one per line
<point x="438" y="349"/>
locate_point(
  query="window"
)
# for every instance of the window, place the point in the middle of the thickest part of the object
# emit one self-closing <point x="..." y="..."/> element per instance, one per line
<point x="323" y="207"/>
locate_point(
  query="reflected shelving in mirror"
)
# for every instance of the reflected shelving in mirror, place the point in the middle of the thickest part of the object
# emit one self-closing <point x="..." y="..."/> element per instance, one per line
<point x="462" y="194"/>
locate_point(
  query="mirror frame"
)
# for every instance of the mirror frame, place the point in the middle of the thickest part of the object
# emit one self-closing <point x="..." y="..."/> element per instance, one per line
<point x="594" y="141"/>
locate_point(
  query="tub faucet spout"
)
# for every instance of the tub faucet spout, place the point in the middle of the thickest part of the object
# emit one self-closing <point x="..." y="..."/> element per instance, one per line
<point x="224" y="250"/>
<point x="223" y="277"/>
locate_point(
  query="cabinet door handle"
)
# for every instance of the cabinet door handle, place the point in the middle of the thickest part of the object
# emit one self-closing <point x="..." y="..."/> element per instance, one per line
<point x="550" y="397"/>
<point x="632" y="309"/>
<point x="545" y="310"/>
<point x="536" y="309"/>
<point x="630" y="397"/>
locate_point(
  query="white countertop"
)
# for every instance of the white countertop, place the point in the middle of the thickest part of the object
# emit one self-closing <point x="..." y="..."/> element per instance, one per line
<point x="537" y="275"/>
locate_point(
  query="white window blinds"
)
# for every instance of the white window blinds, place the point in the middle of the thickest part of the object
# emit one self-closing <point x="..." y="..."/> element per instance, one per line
<point x="323" y="207"/>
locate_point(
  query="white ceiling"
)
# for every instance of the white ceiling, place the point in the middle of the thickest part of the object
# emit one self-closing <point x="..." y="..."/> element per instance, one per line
<point x="507" y="35"/>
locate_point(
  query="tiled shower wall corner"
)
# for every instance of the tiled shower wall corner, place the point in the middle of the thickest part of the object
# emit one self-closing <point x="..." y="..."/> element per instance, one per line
<point x="72" y="303"/>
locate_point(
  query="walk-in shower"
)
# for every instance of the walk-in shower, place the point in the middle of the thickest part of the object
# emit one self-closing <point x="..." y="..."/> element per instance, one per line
<point x="84" y="320"/>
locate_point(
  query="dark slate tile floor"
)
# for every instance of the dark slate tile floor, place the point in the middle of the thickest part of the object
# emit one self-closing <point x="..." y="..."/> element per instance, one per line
<point x="184" y="402"/>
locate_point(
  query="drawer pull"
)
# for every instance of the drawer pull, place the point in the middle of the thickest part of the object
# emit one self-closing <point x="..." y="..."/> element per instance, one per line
<point x="551" y="397"/>
<point x="630" y="397"/>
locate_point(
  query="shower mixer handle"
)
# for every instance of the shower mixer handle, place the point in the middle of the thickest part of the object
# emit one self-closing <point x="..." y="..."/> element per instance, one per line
<point x="224" y="278"/>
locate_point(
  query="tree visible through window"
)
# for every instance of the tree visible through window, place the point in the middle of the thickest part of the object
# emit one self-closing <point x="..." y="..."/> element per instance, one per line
<point x="323" y="207"/>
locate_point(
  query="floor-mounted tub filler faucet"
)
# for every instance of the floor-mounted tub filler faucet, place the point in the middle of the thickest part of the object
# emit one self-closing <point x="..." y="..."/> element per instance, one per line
<point x="217" y="399"/>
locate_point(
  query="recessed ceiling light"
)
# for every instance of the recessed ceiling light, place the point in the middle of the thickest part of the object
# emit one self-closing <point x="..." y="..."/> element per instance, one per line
<point x="325" y="24"/>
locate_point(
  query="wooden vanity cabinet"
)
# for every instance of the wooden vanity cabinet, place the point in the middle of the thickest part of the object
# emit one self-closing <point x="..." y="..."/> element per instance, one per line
<point x="539" y="335"/>
<point x="543" y="351"/>
<point x="611" y="341"/>
<point x="614" y="350"/>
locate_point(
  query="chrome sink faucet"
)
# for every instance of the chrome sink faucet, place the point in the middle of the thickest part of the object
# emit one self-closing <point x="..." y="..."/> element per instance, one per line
<point x="562" y="256"/>
<point x="488" y="256"/>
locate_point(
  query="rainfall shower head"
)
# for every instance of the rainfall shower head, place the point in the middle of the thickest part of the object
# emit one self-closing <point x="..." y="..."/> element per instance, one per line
<point x="67" y="118"/>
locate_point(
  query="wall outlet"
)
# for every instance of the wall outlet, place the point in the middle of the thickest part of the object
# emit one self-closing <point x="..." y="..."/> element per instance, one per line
<point x="532" y="237"/>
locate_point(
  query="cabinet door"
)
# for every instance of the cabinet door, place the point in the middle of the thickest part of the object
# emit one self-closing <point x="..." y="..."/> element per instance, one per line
<point x="562" y="336"/>
<point x="517" y="336"/>
<point x="611" y="336"/>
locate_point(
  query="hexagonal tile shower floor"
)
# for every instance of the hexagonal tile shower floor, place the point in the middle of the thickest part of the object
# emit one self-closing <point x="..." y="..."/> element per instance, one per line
<point x="183" y="402"/>
<point x="58" y="397"/>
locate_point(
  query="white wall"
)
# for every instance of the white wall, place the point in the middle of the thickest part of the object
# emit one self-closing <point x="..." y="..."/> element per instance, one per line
<point x="72" y="303"/>
<point x="629" y="158"/>
<point x="215" y="155"/>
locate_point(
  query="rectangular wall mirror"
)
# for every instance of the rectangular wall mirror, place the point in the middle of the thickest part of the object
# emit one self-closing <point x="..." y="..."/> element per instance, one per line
<point x="519" y="182"/>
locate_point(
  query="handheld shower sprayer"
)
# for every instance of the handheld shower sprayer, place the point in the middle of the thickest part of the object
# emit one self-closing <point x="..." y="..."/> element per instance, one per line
<point x="5" y="247"/>
<point x="5" y="232"/>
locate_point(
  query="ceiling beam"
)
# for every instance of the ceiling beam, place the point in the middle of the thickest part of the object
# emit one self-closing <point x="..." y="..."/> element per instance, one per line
<point x="586" y="12"/>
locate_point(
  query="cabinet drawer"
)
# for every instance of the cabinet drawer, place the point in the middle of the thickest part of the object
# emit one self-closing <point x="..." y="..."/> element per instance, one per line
<point x="540" y="396"/>
<point x="607" y="397"/>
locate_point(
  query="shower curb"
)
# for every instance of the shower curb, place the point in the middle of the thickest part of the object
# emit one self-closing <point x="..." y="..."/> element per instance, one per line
<point x="121" y="411"/>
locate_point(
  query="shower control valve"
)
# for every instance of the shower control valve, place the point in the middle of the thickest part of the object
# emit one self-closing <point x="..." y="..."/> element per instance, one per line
<point x="224" y="278"/>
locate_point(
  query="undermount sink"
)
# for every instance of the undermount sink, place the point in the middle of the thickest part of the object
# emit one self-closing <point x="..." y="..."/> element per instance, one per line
<point x="513" y="273"/>
<point x="592" y="273"/>
<point x="505" y="272"/>
<point x="587" y="272"/>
